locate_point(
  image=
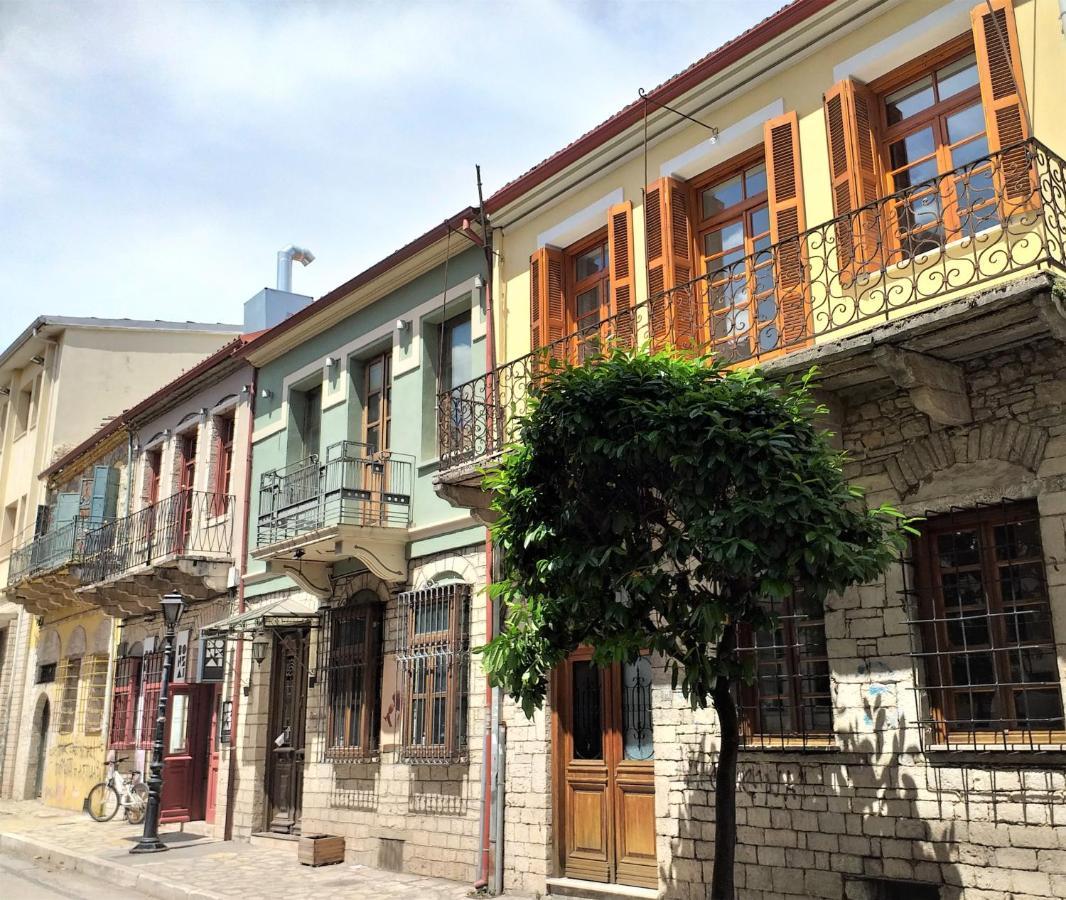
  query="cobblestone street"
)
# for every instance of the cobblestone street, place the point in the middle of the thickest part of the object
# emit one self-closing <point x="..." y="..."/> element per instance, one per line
<point x="196" y="868"/>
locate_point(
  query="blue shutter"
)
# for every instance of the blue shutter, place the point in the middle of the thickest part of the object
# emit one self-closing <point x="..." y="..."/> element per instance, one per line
<point x="105" y="494"/>
<point x="66" y="510"/>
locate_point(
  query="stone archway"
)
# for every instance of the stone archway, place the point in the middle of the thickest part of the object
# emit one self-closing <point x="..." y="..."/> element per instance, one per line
<point x="42" y="718"/>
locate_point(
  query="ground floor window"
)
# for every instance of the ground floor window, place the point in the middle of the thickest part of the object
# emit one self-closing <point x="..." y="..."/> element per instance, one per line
<point x="122" y="733"/>
<point x="68" y="697"/>
<point x="789" y="701"/>
<point x="987" y="638"/>
<point x="151" y="681"/>
<point x="434" y="659"/>
<point x="353" y="677"/>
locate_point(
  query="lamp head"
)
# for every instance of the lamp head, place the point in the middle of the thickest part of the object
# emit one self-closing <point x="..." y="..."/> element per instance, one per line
<point x="173" y="605"/>
<point x="259" y="649"/>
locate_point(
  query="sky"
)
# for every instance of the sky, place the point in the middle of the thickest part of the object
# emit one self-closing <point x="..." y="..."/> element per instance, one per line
<point x="155" y="156"/>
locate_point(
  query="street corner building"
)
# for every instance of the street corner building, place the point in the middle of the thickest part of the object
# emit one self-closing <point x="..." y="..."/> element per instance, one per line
<point x="875" y="189"/>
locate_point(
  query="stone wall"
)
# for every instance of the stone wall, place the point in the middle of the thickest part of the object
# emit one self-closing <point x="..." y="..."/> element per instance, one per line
<point x="885" y="803"/>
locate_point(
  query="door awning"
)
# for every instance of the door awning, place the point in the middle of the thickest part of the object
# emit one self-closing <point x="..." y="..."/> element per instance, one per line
<point x="292" y="611"/>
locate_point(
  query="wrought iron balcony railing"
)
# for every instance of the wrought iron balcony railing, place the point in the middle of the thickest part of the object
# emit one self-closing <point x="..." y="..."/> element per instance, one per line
<point x="188" y="523"/>
<point x="998" y="216"/>
<point x="61" y="546"/>
<point x="354" y="485"/>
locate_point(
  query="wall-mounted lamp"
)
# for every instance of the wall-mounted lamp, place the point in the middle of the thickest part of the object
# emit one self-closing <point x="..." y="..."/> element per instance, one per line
<point x="332" y="362"/>
<point x="266" y="394"/>
<point x="203" y="412"/>
<point x="479" y="282"/>
<point x="167" y="433"/>
<point x="403" y="324"/>
<point x="5" y="391"/>
<point x="246" y="388"/>
<point x="259" y="650"/>
<point x="38" y="360"/>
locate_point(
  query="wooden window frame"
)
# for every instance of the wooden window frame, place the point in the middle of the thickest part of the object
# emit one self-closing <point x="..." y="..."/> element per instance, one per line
<point x="354" y="671"/>
<point x="225" y="429"/>
<point x="96" y="694"/>
<point x="69" y="687"/>
<point x="752" y="734"/>
<point x="573" y="286"/>
<point x="950" y="222"/>
<point x="384" y="420"/>
<point x="421" y="654"/>
<point x="933" y="626"/>
<point x="123" y="727"/>
<point x="151" y="682"/>
<point x="734" y="166"/>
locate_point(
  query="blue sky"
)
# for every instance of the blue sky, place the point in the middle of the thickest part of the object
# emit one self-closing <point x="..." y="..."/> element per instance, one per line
<point x="155" y="156"/>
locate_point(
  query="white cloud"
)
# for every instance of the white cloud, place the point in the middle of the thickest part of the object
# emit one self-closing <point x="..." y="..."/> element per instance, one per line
<point x="154" y="155"/>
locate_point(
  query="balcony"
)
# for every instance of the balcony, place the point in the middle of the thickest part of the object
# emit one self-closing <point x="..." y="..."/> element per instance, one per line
<point x="356" y="503"/>
<point x="40" y="574"/>
<point x="181" y="543"/>
<point x="964" y="246"/>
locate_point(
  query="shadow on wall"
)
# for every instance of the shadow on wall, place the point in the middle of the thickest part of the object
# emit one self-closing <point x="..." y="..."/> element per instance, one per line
<point x="848" y="823"/>
<point x="354" y="786"/>
<point x="438" y="791"/>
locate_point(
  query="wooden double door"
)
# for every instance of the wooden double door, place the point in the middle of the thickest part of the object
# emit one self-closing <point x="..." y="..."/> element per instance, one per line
<point x="604" y="771"/>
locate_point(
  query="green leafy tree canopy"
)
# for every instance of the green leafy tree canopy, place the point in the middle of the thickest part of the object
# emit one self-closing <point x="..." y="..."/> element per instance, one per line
<point x="651" y="502"/>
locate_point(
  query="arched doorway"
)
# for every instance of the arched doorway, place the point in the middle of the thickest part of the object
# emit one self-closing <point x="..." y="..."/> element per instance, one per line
<point x="39" y="746"/>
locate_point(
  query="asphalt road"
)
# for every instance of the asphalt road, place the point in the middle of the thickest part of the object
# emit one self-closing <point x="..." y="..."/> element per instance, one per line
<point x="25" y="879"/>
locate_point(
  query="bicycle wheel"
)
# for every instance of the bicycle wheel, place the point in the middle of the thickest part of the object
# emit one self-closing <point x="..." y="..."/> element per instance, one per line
<point x="102" y="802"/>
<point x="138" y="803"/>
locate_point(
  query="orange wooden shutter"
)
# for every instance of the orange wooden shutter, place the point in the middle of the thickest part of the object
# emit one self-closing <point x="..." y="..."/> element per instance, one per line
<point x="620" y="248"/>
<point x="547" y="318"/>
<point x="995" y="38"/>
<point x="787" y="223"/>
<point x="670" y="264"/>
<point x="851" y="121"/>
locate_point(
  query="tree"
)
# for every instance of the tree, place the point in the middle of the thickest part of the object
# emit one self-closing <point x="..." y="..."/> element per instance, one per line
<point x="652" y="502"/>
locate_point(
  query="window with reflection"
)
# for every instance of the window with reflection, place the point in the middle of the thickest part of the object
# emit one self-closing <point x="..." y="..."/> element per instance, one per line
<point x="588" y="293"/>
<point x="987" y="635"/>
<point x="934" y="124"/>
<point x="733" y="232"/>
<point x="790" y="699"/>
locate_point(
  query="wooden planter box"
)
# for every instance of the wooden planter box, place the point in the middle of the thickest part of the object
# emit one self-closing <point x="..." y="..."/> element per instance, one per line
<point x="321" y="849"/>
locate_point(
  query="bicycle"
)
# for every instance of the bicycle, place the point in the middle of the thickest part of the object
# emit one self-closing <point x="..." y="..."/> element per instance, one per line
<point x="128" y="792"/>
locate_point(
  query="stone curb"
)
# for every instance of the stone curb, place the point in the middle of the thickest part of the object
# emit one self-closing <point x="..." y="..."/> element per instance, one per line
<point x="113" y="873"/>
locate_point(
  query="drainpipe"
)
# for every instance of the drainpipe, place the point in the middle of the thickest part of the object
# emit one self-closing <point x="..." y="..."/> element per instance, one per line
<point x="238" y="656"/>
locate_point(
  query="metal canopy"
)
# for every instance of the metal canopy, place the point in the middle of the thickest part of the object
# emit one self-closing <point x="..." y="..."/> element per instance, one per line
<point x="283" y="612"/>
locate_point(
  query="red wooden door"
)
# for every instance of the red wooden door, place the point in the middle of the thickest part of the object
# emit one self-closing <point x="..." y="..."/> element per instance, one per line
<point x="185" y="752"/>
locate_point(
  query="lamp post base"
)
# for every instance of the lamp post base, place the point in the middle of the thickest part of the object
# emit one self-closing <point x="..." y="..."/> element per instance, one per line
<point x="149" y="845"/>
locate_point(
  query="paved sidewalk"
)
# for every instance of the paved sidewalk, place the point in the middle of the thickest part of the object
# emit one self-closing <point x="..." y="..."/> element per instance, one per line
<point x="195" y="867"/>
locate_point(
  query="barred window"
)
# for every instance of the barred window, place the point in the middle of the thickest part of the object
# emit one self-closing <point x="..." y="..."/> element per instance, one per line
<point x="68" y="698"/>
<point x="96" y="699"/>
<point x="353" y="677"/>
<point x="789" y="702"/>
<point x="151" y="681"/>
<point x="124" y="703"/>
<point x="434" y="658"/>
<point x="987" y="639"/>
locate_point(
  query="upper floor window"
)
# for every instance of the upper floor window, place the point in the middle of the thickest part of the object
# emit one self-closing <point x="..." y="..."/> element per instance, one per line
<point x="733" y="234"/>
<point x="789" y="702"/>
<point x="223" y="474"/>
<point x="24" y="409"/>
<point x="377" y="405"/>
<point x="455" y="350"/>
<point x="309" y="420"/>
<point x="988" y="640"/>
<point x="934" y="124"/>
<point x="153" y="471"/>
<point x="187" y="460"/>
<point x="588" y="300"/>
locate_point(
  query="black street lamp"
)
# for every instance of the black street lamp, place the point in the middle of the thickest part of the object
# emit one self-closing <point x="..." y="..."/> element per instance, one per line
<point x="173" y="605"/>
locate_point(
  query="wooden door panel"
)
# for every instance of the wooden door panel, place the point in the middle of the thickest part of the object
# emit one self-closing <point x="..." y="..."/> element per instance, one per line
<point x="635" y="830"/>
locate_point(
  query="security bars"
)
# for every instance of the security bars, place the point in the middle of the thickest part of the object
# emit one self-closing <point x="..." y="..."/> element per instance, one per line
<point x="789" y="702"/>
<point x="151" y="683"/>
<point x="122" y="732"/>
<point x="69" y="681"/>
<point x="1001" y="215"/>
<point x="96" y="667"/>
<point x="984" y="649"/>
<point x="434" y="658"/>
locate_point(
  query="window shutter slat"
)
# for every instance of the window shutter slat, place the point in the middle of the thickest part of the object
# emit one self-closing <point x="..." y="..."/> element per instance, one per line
<point x="851" y="121"/>
<point x="620" y="248"/>
<point x="995" y="37"/>
<point x="670" y="267"/>
<point x="787" y="222"/>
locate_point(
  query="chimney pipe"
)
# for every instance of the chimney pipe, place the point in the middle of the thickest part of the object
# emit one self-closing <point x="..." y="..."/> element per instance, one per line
<point x="285" y="258"/>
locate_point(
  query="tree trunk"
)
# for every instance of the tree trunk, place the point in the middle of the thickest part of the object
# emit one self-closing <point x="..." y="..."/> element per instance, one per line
<point x="725" y="785"/>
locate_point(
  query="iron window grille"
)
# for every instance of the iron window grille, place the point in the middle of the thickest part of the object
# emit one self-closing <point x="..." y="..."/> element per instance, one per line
<point x="434" y="660"/>
<point x="789" y="702"/>
<point x="96" y="694"/>
<point x="151" y="681"/>
<point x="985" y="641"/>
<point x="122" y="733"/>
<point x="69" y="680"/>
<point x="352" y="638"/>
